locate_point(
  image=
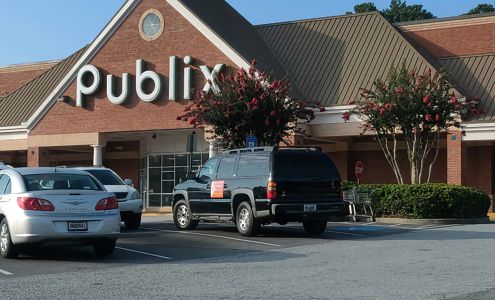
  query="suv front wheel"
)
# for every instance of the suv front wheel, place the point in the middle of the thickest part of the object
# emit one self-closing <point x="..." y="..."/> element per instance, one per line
<point x="247" y="225"/>
<point x="183" y="216"/>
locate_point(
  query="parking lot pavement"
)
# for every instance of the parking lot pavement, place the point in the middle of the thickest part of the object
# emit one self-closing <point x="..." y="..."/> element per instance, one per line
<point x="158" y="241"/>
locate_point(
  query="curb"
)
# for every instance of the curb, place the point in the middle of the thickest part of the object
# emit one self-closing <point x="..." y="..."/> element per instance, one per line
<point x="432" y="221"/>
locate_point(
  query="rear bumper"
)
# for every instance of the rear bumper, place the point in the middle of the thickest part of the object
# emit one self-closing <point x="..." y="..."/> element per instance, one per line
<point x="295" y="211"/>
<point x="37" y="229"/>
<point x="133" y="206"/>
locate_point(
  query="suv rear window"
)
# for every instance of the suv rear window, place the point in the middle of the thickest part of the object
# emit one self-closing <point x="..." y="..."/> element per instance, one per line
<point x="304" y="164"/>
<point x="106" y="177"/>
<point x="251" y="165"/>
<point x="59" y="181"/>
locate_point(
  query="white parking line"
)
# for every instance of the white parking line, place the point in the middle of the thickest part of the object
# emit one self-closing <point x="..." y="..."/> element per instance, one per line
<point x="144" y="253"/>
<point x="212" y="235"/>
<point x="5" y="272"/>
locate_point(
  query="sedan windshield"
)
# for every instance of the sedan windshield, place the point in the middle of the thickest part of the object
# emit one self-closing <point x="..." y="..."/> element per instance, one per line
<point x="60" y="181"/>
<point x="106" y="177"/>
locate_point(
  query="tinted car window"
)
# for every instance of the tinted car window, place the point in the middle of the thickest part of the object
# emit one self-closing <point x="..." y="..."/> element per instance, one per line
<point x="304" y="164"/>
<point x="106" y="177"/>
<point x="209" y="168"/>
<point x="4" y="181"/>
<point x="59" y="181"/>
<point x="226" y="167"/>
<point x="253" y="165"/>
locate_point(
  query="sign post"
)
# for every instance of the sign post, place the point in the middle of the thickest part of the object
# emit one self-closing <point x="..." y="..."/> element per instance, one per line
<point x="359" y="170"/>
<point x="251" y="141"/>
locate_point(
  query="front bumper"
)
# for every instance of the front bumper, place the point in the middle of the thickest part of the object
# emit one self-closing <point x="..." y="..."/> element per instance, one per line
<point x="27" y="229"/>
<point x="134" y="206"/>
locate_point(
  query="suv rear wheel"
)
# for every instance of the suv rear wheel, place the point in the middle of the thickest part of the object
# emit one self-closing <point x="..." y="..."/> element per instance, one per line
<point x="314" y="227"/>
<point x="7" y="248"/>
<point x="183" y="216"/>
<point x="247" y="225"/>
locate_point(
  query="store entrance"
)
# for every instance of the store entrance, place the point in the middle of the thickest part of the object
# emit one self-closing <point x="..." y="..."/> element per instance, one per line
<point x="164" y="171"/>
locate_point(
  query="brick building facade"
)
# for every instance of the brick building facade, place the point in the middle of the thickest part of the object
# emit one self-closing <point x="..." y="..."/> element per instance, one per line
<point x="43" y="124"/>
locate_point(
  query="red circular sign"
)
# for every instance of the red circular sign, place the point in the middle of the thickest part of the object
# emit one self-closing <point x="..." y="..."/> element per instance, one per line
<point x="359" y="170"/>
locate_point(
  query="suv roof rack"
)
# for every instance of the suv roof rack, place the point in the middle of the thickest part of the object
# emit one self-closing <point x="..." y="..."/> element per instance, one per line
<point x="278" y="148"/>
<point x="244" y="150"/>
<point x="271" y="149"/>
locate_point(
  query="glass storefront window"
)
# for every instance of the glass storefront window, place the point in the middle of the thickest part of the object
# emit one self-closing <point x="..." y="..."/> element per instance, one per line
<point x="165" y="171"/>
<point x="167" y="160"/>
<point x="155" y="160"/>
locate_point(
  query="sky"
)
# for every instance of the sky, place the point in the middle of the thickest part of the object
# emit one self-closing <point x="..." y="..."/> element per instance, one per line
<point x="44" y="30"/>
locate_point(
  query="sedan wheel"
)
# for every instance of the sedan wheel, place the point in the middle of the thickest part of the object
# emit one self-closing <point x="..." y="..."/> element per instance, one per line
<point x="7" y="248"/>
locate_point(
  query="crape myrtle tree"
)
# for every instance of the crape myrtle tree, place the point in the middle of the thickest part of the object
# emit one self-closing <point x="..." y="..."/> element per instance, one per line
<point x="415" y="109"/>
<point x="247" y="102"/>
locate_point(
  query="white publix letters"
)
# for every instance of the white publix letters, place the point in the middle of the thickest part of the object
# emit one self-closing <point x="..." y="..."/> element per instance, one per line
<point x="141" y="76"/>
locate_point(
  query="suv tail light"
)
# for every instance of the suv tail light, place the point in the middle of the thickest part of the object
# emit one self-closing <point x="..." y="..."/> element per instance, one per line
<point x="31" y="203"/>
<point x="107" y="204"/>
<point x="271" y="191"/>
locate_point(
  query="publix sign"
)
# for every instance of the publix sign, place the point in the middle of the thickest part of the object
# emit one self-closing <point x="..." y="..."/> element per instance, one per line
<point x="141" y="76"/>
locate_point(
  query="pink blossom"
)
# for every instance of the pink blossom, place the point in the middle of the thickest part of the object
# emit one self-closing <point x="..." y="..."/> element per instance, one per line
<point x="191" y="120"/>
<point x="346" y="116"/>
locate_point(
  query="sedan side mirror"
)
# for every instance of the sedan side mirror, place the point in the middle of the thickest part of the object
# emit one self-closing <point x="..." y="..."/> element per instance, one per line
<point x="128" y="182"/>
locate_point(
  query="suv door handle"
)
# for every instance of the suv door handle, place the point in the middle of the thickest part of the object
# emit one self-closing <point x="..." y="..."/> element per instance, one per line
<point x="225" y="186"/>
<point x="208" y="186"/>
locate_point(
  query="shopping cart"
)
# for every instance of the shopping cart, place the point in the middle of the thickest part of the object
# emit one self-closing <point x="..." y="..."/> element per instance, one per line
<point x="359" y="203"/>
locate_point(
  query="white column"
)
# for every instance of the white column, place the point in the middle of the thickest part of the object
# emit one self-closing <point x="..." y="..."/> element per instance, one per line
<point x="97" y="155"/>
<point x="213" y="149"/>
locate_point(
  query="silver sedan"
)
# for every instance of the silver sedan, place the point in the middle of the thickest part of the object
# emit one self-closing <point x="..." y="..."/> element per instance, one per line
<point x="53" y="205"/>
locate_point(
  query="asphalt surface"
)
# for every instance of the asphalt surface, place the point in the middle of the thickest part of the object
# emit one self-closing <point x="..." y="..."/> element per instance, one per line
<point x="350" y="261"/>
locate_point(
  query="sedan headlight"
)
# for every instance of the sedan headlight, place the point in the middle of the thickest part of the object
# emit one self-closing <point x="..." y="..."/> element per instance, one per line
<point x="134" y="196"/>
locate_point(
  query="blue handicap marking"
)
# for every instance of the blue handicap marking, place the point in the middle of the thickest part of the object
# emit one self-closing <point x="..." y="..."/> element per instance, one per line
<point x="362" y="228"/>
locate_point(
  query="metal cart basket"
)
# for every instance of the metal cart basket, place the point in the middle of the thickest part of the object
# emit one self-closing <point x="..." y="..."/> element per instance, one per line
<point x="359" y="203"/>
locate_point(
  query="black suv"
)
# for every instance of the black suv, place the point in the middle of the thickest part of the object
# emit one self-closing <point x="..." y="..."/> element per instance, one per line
<point x="259" y="186"/>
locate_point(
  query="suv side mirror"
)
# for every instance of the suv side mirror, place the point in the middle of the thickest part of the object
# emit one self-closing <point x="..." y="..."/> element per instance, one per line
<point x="128" y="182"/>
<point x="191" y="176"/>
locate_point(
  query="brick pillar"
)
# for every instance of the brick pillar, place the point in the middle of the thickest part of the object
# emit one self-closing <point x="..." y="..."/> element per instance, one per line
<point x="340" y="160"/>
<point x="456" y="158"/>
<point x="38" y="157"/>
<point x="485" y="172"/>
